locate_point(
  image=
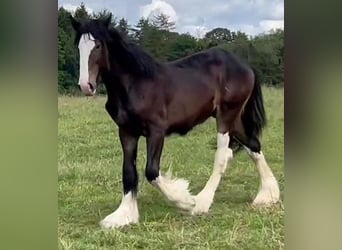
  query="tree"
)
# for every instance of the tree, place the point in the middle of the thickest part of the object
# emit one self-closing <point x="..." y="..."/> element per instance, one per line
<point x="182" y="45"/>
<point x="64" y="21"/>
<point x="104" y="14"/>
<point x="67" y="62"/>
<point x="239" y="36"/>
<point x="123" y="27"/>
<point x="218" y="36"/>
<point x="140" y="29"/>
<point x="239" y="44"/>
<point x="264" y="52"/>
<point x="81" y="12"/>
<point x="162" y="22"/>
<point x="61" y="59"/>
<point x="150" y="37"/>
<point x="67" y="51"/>
<point x="269" y="58"/>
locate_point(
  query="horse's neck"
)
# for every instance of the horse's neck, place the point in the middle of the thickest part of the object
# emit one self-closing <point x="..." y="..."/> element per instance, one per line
<point x="118" y="102"/>
<point x="116" y="91"/>
<point x="131" y="60"/>
<point x="117" y="60"/>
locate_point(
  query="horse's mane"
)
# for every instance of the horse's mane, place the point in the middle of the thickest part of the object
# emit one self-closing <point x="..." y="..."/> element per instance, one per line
<point x="129" y="55"/>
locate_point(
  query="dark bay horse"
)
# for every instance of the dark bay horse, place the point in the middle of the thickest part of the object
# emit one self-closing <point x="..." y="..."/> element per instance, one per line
<point x="153" y="99"/>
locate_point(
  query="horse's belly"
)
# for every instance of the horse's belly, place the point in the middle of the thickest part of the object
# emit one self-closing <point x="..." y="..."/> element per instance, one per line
<point x="183" y="118"/>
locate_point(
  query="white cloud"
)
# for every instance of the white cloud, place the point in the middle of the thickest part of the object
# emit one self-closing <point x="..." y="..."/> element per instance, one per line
<point x="278" y="11"/>
<point x="197" y="16"/>
<point x="264" y="26"/>
<point x="249" y="29"/>
<point x="191" y="20"/>
<point x="72" y="8"/>
<point x="224" y="8"/>
<point x="268" y="25"/>
<point x="196" y="31"/>
<point x="157" y="7"/>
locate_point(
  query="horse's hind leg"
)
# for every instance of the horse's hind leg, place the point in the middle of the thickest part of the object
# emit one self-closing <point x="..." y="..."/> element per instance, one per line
<point x="224" y="154"/>
<point x="269" y="189"/>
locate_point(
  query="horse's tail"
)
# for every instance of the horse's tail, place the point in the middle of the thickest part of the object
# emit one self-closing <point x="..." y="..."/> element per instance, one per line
<point x="254" y="116"/>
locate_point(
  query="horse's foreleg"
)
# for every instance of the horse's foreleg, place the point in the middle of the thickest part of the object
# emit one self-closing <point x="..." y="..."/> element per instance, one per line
<point x="175" y="190"/>
<point x="223" y="155"/>
<point x="127" y="212"/>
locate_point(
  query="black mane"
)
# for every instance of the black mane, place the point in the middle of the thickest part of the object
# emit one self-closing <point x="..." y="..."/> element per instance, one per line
<point x="133" y="59"/>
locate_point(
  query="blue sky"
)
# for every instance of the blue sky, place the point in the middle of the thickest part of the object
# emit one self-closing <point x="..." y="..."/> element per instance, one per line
<point x="196" y="16"/>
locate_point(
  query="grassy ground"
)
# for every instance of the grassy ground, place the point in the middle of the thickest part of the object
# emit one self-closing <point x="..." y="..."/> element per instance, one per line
<point x="90" y="186"/>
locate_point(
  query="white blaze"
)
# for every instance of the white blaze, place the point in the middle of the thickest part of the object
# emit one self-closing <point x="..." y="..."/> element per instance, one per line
<point x="85" y="46"/>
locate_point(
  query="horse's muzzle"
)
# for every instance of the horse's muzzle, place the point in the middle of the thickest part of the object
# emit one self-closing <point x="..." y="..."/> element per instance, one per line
<point x="88" y="89"/>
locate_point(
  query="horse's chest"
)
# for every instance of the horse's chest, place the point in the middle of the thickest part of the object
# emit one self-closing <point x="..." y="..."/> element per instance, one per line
<point x="117" y="112"/>
<point x="124" y="117"/>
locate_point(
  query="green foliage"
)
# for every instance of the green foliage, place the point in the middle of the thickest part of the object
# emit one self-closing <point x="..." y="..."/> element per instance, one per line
<point x="269" y="57"/>
<point x="182" y="45"/>
<point x="123" y="27"/>
<point x="162" y="22"/>
<point x="104" y="14"/>
<point x="81" y="12"/>
<point x="67" y="52"/>
<point x="218" y="36"/>
<point x="157" y="36"/>
<point x="264" y="52"/>
<point x="139" y="29"/>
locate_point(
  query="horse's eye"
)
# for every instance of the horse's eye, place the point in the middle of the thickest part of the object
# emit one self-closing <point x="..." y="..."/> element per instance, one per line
<point x="97" y="46"/>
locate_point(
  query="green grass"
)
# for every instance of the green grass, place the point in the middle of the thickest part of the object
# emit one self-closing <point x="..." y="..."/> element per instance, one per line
<point x="89" y="159"/>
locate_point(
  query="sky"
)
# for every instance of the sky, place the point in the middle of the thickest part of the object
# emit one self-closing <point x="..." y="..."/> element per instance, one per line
<point x="196" y="16"/>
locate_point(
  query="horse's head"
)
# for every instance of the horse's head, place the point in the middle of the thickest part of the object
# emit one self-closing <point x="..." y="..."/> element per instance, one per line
<point x="91" y="36"/>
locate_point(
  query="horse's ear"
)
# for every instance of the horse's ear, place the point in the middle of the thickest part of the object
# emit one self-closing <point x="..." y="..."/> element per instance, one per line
<point x="75" y="24"/>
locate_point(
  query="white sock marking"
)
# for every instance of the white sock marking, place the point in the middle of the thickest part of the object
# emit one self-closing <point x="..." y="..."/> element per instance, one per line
<point x="175" y="190"/>
<point x="269" y="190"/>
<point x="223" y="154"/>
<point x="127" y="213"/>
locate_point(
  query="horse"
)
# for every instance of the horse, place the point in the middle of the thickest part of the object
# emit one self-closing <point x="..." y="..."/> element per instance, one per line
<point x="154" y="99"/>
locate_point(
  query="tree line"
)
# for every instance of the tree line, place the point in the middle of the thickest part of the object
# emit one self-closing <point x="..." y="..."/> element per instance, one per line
<point x="265" y="52"/>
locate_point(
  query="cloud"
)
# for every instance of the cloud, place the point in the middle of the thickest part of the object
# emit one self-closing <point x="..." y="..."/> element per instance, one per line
<point x="185" y="24"/>
<point x="196" y="31"/>
<point x="249" y="16"/>
<point x="72" y="8"/>
<point x="268" y="25"/>
<point x="264" y="26"/>
<point x="158" y="7"/>
<point x="277" y="11"/>
<point x="191" y="20"/>
<point x="249" y="29"/>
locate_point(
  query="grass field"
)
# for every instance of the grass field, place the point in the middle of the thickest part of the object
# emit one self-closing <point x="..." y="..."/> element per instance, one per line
<point x="89" y="159"/>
